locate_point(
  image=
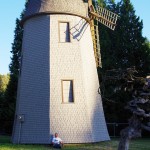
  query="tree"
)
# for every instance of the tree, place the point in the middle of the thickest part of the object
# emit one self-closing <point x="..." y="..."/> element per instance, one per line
<point x="139" y="106"/>
<point x="14" y="67"/>
<point x="126" y="42"/>
<point x="123" y="48"/>
<point x="138" y="89"/>
<point x="11" y="91"/>
<point x="4" y="79"/>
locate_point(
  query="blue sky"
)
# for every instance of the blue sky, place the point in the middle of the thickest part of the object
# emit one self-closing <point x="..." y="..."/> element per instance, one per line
<point x="9" y="11"/>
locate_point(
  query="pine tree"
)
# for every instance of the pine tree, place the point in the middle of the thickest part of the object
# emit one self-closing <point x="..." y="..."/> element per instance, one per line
<point x="123" y="48"/>
<point x="14" y="67"/>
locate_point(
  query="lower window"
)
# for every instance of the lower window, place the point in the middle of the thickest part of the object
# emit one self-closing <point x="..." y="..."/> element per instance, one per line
<point x="67" y="91"/>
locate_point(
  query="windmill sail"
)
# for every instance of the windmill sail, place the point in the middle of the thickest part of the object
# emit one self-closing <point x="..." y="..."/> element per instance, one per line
<point x="106" y="17"/>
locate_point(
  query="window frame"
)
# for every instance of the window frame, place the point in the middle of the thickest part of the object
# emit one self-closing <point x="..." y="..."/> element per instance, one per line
<point x="59" y="22"/>
<point x="73" y="101"/>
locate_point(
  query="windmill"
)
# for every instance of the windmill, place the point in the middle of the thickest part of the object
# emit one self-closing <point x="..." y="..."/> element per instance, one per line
<point x="58" y="81"/>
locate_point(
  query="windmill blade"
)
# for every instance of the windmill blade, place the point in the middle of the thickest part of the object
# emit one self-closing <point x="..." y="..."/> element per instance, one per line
<point x="105" y="16"/>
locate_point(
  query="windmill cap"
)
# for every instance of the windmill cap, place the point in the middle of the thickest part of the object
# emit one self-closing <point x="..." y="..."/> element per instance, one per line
<point x="41" y="7"/>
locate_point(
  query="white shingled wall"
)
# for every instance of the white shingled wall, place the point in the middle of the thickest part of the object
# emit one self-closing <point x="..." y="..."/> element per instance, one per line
<point x="72" y="122"/>
<point x="81" y="121"/>
<point x="91" y="85"/>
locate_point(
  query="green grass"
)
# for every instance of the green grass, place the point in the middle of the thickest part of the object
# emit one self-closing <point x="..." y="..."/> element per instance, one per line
<point x="139" y="144"/>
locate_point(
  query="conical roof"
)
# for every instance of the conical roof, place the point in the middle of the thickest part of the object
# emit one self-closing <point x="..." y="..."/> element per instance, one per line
<point x="73" y="7"/>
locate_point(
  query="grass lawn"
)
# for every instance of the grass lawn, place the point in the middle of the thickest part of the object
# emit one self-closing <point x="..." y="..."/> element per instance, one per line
<point x="139" y="144"/>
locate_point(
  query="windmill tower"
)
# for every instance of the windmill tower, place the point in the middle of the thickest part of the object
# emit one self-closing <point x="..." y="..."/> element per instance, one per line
<point x="58" y="82"/>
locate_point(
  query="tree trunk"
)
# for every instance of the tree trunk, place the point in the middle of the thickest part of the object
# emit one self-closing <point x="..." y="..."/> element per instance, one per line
<point x="124" y="144"/>
<point x="132" y="131"/>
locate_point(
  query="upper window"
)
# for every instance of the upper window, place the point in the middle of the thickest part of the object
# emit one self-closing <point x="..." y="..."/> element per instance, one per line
<point x="64" y="32"/>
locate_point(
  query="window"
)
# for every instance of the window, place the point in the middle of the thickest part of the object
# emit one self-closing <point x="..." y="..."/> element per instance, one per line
<point x="67" y="91"/>
<point x="64" y="32"/>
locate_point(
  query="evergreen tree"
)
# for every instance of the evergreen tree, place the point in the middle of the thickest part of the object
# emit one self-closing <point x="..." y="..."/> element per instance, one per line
<point x="123" y="48"/>
<point x="126" y="44"/>
<point x="14" y="67"/>
<point x="11" y="91"/>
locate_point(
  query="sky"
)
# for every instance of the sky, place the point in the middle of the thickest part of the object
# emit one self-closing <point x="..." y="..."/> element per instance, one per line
<point x="10" y="10"/>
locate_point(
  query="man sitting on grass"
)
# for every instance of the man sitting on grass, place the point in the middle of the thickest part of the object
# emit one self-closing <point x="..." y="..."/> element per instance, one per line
<point x="57" y="142"/>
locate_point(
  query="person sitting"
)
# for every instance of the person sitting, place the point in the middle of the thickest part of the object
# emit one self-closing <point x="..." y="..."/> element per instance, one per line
<point x="57" y="142"/>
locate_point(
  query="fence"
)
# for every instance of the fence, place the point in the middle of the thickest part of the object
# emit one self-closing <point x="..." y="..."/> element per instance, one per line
<point x="115" y="128"/>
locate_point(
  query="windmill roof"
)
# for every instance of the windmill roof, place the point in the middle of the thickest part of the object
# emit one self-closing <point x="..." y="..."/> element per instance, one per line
<point x="73" y="7"/>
